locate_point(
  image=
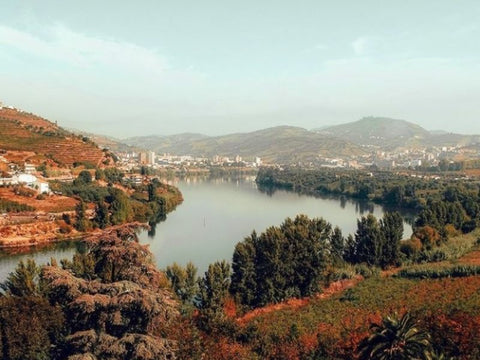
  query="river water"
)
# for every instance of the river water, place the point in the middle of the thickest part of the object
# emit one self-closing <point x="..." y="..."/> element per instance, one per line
<point x="215" y="215"/>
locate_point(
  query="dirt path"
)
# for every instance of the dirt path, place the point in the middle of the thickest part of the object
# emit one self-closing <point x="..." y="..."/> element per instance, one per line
<point x="334" y="288"/>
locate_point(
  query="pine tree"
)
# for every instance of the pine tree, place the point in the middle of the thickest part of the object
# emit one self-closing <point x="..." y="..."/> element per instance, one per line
<point x="184" y="281"/>
<point x="214" y="286"/>
<point x="391" y="228"/>
<point x="368" y="241"/>
<point x="81" y="223"/>
<point x="24" y="280"/>
<point x="244" y="283"/>
<point x="337" y="243"/>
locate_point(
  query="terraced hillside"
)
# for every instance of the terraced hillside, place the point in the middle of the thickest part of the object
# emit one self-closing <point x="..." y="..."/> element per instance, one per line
<point x="20" y="131"/>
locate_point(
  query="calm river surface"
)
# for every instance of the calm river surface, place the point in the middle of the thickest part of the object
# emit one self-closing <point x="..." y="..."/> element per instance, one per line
<point x="215" y="215"/>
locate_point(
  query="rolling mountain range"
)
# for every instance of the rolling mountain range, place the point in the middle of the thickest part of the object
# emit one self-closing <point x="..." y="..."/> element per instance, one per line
<point x="292" y="144"/>
<point x="282" y="144"/>
<point x="279" y="144"/>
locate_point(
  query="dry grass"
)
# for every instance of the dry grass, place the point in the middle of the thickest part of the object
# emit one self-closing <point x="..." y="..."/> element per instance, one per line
<point x="25" y="132"/>
<point x="52" y="203"/>
<point x="334" y="288"/>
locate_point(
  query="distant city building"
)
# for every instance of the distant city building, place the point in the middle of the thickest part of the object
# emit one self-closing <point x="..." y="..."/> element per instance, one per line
<point x="151" y="157"/>
<point x="146" y="158"/>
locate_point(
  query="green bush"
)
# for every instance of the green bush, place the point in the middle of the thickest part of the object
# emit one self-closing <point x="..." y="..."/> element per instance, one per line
<point x="439" y="273"/>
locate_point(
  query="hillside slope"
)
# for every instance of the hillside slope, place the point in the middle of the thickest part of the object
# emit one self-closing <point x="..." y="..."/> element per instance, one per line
<point x="21" y="131"/>
<point x="379" y="131"/>
<point x="282" y="144"/>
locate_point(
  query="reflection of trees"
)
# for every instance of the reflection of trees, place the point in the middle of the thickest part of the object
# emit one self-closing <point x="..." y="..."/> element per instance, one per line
<point x="364" y="207"/>
<point x="408" y="215"/>
<point x="157" y="219"/>
<point x="343" y="201"/>
<point x="361" y="206"/>
<point x="266" y="189"/>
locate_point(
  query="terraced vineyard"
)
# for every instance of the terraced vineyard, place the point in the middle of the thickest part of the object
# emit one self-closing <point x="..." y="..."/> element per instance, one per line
<point x="20" y="131"/>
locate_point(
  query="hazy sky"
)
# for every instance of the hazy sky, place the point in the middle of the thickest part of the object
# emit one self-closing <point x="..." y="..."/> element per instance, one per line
<point x="142" y="67"/>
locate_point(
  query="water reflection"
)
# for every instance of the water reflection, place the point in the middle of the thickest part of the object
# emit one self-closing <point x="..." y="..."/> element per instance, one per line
<point x="216" y="214"/>
<point x="63" y="250"/>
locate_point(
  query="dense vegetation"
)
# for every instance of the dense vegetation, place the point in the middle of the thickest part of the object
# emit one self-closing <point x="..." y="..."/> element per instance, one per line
<point x="291" y="260"/>
<point x="300" y="290"/>
<point x="109" y="302"/>
<point x="444" y="208"/>
<point x="113" y="205"/>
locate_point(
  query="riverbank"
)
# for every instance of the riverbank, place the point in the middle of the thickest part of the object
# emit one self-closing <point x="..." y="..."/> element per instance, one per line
<point x="14" y="237"/>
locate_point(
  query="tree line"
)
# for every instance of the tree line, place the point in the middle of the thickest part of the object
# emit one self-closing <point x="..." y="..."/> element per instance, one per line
<point x="113" y="206"/>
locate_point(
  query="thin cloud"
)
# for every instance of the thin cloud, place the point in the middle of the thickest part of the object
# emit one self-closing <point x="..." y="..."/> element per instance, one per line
<point x="361" y="45"/>
<point x="80" y="50"/>
<point x="321" y="47"/>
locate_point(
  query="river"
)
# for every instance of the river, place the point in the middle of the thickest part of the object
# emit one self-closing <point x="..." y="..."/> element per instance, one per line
<point x="215" y="215"/>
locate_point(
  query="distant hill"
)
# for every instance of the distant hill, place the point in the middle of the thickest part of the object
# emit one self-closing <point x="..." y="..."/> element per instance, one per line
<point x="175" y="144"/>
<point x="452" y="139"/>
<point x="389" y="134"/>
<point x="282" y="144"/>
<point x="104" y="141"/>
<point x="21" y="131"/>
<point x="379" y="131"/>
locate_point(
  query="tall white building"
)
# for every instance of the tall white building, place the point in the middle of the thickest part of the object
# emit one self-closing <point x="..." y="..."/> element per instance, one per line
<point x="151" y="157"/>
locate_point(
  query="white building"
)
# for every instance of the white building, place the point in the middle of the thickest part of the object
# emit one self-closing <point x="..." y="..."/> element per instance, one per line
<point x="29" y="168"/>
<point x="151" y="157"/>
<point x="42" y="187"/>
<point x="28" y="179"/>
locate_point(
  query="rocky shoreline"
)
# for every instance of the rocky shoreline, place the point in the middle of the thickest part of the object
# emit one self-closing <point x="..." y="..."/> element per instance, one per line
<point x="48" y="232"/>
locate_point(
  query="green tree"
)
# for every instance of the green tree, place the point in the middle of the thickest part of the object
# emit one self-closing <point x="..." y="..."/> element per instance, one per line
<point x="82" y="265"/>
<point x="395" y="339"/>
<point x="120" y="207"/>
<point x="391" y="228"/>
<point x="395" y="195"/>
<point x="212" y="295"/>
<point x="24" y="281"/>
<point x="81" y="223"/>
<point x="85" y="177"/>
<point x="152" y="192"/>
<point x="214" y="286"/>
<point x="102" y="215"/>
<point x="30" y="328"/>
<point x="349" y="253"/>
<point x="337" y="243"/>
<point x="99" y="174"/>
<point x="184" y="281"/>
<point x="283" y="262"/>
<point x="244" y="282"/>
<point x="368" y="241"/>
